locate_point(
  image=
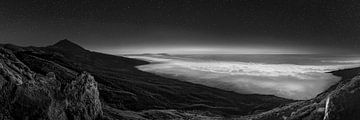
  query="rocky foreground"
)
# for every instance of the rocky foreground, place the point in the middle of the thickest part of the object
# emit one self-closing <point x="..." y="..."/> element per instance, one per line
<point x="67" y="82"/>
<point x="26" y="95"/>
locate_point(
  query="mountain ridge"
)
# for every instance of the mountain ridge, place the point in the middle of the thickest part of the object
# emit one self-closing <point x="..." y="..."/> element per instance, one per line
<point x="66" y="44"/>
<point x="123" y="88"/>
<point x="125" y="92"/>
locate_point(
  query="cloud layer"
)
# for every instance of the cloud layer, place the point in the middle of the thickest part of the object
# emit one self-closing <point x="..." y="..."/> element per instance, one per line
<point x="283" y="80"/>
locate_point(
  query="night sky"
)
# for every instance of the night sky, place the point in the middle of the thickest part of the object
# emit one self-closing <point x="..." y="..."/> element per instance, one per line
<point x="186" y="26"/>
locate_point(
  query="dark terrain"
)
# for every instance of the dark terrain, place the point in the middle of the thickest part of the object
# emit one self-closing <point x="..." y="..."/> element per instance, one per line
<point x="67" y="82"/>
<point x="339" y="102"/>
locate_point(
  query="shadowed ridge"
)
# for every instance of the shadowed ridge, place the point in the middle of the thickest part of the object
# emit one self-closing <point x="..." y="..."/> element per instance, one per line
<point x="67" y="45"/>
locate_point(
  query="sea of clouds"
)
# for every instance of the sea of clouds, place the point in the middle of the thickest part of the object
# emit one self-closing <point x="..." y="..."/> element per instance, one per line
<point x="283" y="80"/>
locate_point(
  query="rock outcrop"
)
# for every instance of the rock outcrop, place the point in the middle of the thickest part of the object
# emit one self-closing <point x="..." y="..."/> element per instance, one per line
<point x="27" y="95"/>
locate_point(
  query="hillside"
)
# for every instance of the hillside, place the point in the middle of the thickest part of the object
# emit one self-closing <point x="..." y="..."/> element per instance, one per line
<point x="339" y="102"/>
<point x="122" y="91"/>
<point x="67" y="82"/>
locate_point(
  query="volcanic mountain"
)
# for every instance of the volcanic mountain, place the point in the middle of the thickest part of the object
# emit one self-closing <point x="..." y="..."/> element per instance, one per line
<point x="64" y="81"/>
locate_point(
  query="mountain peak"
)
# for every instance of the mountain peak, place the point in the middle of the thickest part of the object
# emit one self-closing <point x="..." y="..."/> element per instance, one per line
<point x="66" y="44"/>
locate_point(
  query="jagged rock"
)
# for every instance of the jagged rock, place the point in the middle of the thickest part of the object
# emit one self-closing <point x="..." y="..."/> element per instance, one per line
<point x="83" y="98"/>
<point x="26" y="95"/>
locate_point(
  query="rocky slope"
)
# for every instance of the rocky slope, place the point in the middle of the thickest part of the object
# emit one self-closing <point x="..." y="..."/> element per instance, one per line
<point x="339" y="102"/>
<point x="27" y="95"/>
<point x="50" y="83"/>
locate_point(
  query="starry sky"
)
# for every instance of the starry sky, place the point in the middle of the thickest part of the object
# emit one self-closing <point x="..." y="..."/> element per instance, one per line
<point x="186" y="26"/>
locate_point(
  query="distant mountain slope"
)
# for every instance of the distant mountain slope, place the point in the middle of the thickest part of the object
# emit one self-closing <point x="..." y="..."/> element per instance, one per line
<point x="124" y="88"/>
<point x="67" y="45"/>
<point x="140" y="90"/>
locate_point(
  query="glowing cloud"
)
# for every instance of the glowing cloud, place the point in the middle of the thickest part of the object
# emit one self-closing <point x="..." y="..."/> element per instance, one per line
<point x="284" y="80"/>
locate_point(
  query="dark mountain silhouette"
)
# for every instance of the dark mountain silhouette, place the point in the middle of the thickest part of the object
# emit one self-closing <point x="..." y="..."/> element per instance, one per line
<point x="50" y="83"/>
<point x="67" y="46"/>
